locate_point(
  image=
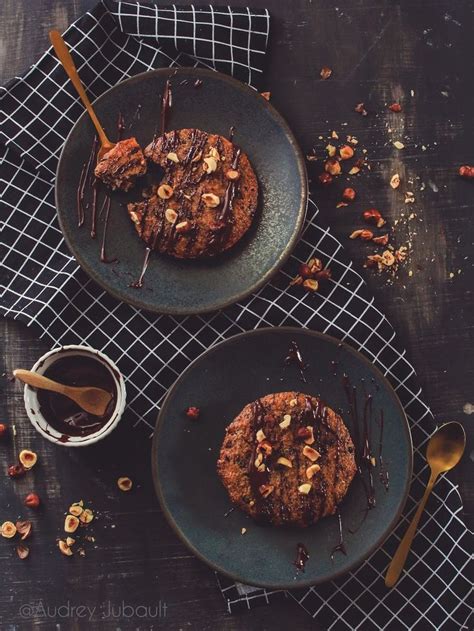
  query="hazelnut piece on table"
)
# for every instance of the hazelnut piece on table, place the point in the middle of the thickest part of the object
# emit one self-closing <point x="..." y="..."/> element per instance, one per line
<point x="124" y="484"/>
<point x="32" y="500"/>
<point x="71" y="523"/>
<point x="64" y="548"/>
<point x="86" y="516"/>
<point x="193" y="413"/>
<point x="22" y="551"/>
<point x="8" y="529"/>
<point x="27" y="458"/>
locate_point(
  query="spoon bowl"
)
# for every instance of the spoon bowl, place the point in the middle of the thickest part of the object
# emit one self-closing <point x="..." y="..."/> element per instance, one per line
<point x="446" y="447"/>
<point x="91" y="399"/>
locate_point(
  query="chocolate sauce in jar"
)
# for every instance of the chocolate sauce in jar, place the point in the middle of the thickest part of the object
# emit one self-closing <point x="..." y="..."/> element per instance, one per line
<point x="64" y="415"/>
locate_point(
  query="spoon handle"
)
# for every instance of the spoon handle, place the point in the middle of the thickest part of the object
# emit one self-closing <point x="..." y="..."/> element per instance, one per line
<point x="67" y="62"/>
<point x="396" y="566"/>
<point x="39" y="381"/>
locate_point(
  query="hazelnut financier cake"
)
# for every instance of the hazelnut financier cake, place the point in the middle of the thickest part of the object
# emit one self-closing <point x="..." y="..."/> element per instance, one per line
<point x="287" y="458"/>
<point x="120" y="167"/>
<point x="206" y="200"/>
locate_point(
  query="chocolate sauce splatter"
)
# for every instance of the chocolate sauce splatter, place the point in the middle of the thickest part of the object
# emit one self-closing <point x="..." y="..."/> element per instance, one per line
<point x="302" y="556"/>
<point x="340" y="547"/>
<point x="295" y="357"/>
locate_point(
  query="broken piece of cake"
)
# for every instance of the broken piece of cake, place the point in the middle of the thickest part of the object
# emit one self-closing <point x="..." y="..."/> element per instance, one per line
<point x="122" y="165"/>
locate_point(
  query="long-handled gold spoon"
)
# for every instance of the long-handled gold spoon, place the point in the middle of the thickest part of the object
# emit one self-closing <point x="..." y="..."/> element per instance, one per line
<point x="67" y="62"/>
<point x="444" y="451"/>
<point x="92" y="400"/>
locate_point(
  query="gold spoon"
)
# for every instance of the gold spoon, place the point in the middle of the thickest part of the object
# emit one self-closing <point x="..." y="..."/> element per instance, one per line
<point x="444" y="451"/>
<point x="67" y="62"/>
<point x="92" y="400"/>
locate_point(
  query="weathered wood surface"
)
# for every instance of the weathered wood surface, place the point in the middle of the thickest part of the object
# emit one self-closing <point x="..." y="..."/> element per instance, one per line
<point x="379" y="52"/>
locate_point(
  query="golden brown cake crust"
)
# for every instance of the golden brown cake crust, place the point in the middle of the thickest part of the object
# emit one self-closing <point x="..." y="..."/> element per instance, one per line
<point x="208" y="212"/>
<point x="315" y="437"/>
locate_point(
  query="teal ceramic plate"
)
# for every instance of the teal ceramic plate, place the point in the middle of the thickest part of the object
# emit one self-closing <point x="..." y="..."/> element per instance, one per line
<point x="174" y="286"/>
<point x="184" y="456"/>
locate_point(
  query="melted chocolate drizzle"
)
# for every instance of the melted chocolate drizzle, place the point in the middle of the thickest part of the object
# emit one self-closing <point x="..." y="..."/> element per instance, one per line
<point x="85" y="182"/>
<point x="383" y="473"/>
<point x="363" y="455"/>
<point x="340" y="547"/>
<point x="166" y="104"/>
<point x="302" y="556"/>
<point x="295" y="357"/>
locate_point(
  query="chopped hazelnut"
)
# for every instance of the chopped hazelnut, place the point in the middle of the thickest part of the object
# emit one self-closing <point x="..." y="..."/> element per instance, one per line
<point x="325" y="179"/>
<point x="382" y="240"/>
<point x="387" y="258"/>
<point x="173" y="157"/>
<point x="193" y="413"/>
<point x="183" y="226"/>
<point x="331" y="149"/>
<point x="258" y="460"/>
<point x="16" y="470"/>
<point x="395" y="181"/>
<point x="213" y="153"/>
<point x="64" y="548"/>
<point x="22" y="551"/>
<point x="165" y="191"/>
<point x="76" y="509"/>
<point x="210" y="165"/>
<point x="304" y="488"/>
<point x="360" y="109"/>
<point x="27" y="458"/>
<point x="311" y="470"/>
<point x="309" y="440"/>
<point x="70" y="541"/>
<point x="348" y="195"/>
<point x="232" y="174"/>
<point x="373" y="216"/>
<point x="311" y="284"/>
<point x="398" y="145"/>
<point x="365" y="235"/>
<point x="284" y="462"/>
<point x="266" y="95"/>
<point x="71" y="523"/>
<point x="265" y="447"/>
<point x="124" y="484"/>
<point x="265" y="489"/>
<point x="286" y="422"/>
<point x="24" y="528"/>
<point x="325" y="72"/>
<point x="86" y="516"/>
<point x="171" y="215"/>
<point x="32" y="500"/>
<point x="332" y="166"/>
<point x="346" y="152"/>
<point x="8" y="529"/>
<point x="211" y="200"/>
<point x="311" y="453"/>
<point x="293" y="403"/>
<point x="260" y="435"/>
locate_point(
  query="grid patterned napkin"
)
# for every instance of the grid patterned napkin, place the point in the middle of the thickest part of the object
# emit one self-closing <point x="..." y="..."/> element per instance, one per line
<point x="45" y="287"/>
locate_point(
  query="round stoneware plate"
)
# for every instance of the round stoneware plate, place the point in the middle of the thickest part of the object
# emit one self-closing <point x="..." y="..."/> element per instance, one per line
<point x="220" y="383"/>
<point x="186" y="287"/>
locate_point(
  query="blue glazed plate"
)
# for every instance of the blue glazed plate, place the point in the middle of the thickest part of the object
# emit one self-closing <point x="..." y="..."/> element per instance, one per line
<point x="187" y="287"/>
<point x="184" y="455"/>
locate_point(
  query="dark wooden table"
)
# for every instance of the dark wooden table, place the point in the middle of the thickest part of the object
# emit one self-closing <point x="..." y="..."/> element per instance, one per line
<point x="379" y="52"/>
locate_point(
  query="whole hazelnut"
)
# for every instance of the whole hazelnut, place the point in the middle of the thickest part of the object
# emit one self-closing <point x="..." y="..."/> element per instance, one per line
<point x="325" y="179"/>
<point x="16" y="470"/>
<point x="32" y="500"/>
<point x="193" y="413"/>
<point x="346" y="152"/>
<point x="332" y="166"/>
<point x="348" y="195"/>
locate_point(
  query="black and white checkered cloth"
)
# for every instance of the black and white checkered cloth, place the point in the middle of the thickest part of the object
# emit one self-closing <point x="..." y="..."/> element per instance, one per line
<point x="44" y="286"/>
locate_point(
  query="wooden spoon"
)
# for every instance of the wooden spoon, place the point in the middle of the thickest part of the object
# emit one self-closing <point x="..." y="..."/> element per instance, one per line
<point x="92" y="400"/>
<point x="65" y="58"/>
<point x="445" y="449"/>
